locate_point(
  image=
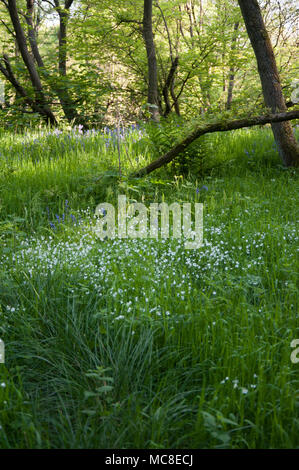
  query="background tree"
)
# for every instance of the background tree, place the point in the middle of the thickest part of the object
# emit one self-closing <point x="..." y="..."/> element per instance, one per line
<point x="32" y="59"/>
<point x="272" y="91"/>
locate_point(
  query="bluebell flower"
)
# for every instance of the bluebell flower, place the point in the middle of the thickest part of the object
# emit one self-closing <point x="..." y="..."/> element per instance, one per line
<point x="73" y="219"/>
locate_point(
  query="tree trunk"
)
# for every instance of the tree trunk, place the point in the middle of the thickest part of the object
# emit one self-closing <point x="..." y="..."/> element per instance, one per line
<point x="63" y="17"/>
<point x="9" y="75"/>
<point x="260" y="41"/>
<point x="151" y="60"/>
<point x="232" y="71"/>
<point x="210" y="128"/>
<point x="41" y="103"/>
<point x="31" y="33"/>
<point x="170" y="80"/>
<point x="29" y="62"/>
<point x="169" y="84"/>
<point x="67" y="104"/>
<point x="230" y="90"/>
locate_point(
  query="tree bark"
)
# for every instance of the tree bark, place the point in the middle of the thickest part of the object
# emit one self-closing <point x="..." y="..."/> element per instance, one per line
<point x="272" y="91"/>
<point x="169" y="86"/>
<point x="64" y="13"/>
<point x="31" y="33"/>
<point x="151" y="60"/>
<point x="40" y="104"/>
<point x="216" y="127"/>
<point x="170" y="79"/>
<point x="9" y="75"/>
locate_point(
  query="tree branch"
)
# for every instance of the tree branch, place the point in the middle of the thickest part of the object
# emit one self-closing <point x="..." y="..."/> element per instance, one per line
<point x="9" y="75"/>
<point x="167" y="30"/>
<point x="215" y="127"/>
<point x="168" y="85"/>
<point x="8" y="28"/>
<point x="31" y="33"/>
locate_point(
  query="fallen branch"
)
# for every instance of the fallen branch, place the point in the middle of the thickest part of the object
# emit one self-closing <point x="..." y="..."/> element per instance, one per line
<point x="215" y="127"/>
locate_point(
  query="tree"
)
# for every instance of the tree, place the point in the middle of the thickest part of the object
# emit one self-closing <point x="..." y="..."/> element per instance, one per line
<point x="272" y="90"/>
<point x="66" y="102"/>
<point x="220" y="126"/>
<point x="40" y="103"/>
<point x="34" y="63"/>
<point x="151" y="59"/>
<point x="232" y="71"/>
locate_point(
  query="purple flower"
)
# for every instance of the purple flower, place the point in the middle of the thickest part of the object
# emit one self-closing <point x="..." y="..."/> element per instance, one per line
<point x="205" y="188"/>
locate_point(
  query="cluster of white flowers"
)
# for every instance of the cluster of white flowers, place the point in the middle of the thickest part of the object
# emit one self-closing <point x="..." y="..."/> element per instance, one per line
<point x="137" y="275"/>
<point x="235" y="383"/>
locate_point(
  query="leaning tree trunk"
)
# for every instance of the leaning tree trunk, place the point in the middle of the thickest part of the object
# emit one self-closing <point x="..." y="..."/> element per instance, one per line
<point x="151" y="60"/>
<point x="260" y="41"/>
<point x="220" y="126"/>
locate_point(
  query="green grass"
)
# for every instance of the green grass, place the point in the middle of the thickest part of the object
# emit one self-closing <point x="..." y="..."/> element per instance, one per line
<point x="141" y="343"/>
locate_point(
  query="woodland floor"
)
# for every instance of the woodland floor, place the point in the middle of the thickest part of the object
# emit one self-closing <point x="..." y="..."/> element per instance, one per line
<point x="142" y="343"/>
